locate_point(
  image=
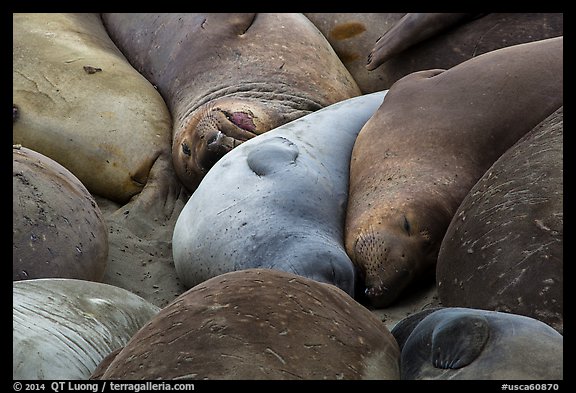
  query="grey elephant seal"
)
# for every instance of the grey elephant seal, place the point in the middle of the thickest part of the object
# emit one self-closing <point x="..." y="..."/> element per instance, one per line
<point x="260" y="324"/>
<point x="466" y="343"/>
<point x="277" y="201"/>
<point x="63" y="328"/>
<point x="503" y="250"/>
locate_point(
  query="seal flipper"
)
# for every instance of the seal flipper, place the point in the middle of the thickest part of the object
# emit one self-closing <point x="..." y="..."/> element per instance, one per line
<point x="409" y="31"/>
<point x="272" y="155"/>
<point x="457" y="341"/>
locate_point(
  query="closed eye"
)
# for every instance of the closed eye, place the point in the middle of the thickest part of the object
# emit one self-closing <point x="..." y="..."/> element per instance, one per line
<point x="406" y="226"/>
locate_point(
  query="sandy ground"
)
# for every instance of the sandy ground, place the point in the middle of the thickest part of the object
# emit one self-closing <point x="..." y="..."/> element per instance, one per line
<point x="140" y="260"/>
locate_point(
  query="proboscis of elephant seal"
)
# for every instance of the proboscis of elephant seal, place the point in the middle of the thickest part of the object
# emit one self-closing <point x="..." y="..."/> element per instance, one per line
<point x="467" y="343"/>
<point x="107" y="127"/>
<point x="63" y="328"/>
<point x="277" y="201"/>
<point x="260" y="324"/>
<point x="421" y="41"/>
<point x="433" y="137"/>
<point x="58" y="229"/>
<point x="227" y="77"/>
<point x="352" y="35"/>
<point x="503" y="250"/>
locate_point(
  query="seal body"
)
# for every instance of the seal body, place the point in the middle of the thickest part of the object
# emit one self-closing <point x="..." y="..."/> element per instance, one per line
<point x="230" y="76"/>
<point x="58" y="229"/>
<point x="63" y="328"/>
<point x="467" y="343"/>
<point x="277" y="201"/>
<point x="260" y="324"/>
<point x="503" y="250"/>
<point x="421" y="41"/>
<point x="79" y="102"/>
<point x="433" y="137"/>
<point x="352" y="35"/>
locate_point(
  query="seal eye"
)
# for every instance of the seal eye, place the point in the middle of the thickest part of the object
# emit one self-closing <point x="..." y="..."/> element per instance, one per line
<point x="406" y="226"/>
<point x="186" y="149"/>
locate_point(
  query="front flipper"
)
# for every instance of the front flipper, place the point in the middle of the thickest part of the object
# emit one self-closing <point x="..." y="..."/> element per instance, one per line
<point x="458" y="341"/>
<point x="272" y="155"/>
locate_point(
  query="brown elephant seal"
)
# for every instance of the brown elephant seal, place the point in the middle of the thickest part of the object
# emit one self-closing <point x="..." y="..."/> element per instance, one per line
<point x="433" y="137"/>
<point x="352" y="35"/>
<point x="421" y="41"/>
<point x="63" y="328"/>
<point x="57" y="227"/>
<point x="503" y="250"/>
<point x="82" y="104"/>
<point x="227" y="77"/>
<point x="260" y="324"/>
<point x="466" y="343"/>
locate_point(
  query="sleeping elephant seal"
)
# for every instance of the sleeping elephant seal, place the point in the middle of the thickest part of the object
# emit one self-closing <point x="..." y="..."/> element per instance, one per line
<point x="63" y="328"/>
<point x="466" y="343"/>
<point x="352" y="35"/>
<point x="260" y="324"/>
<point x="433" y="137"/>
<point x="78" y="101"/>
<point x="503" y="250"/>
<point x="277" y="201"/>
<point x="421" y="41"/>
<point x="229" y="77"/>
<point x="57" y="227"/>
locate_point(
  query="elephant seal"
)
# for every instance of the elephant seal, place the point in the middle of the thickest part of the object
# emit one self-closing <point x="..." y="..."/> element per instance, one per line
<point x="433" y="137"/>
<point x="260" y="324"/>
<point x="277" y="201"/>
<point x="352" y="35"/>
<point x="63" y="328"/>
<point x="503" y="250"/>
<point x="466" y="343"/>
<point x="82" y="104"/>
<point x="421" y="41"/>
<point x="57" y="227"/>
<point x="227" y="77"/>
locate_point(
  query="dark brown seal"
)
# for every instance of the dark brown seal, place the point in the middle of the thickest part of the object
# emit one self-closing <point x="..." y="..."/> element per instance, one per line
<point x="503" y="250"/>
<point x="58" y="229"/>
<point x="229" y="77"/>
<point x="421" y="41"/>
<point x="260" y="324"/>
<point x="433" y="137"/>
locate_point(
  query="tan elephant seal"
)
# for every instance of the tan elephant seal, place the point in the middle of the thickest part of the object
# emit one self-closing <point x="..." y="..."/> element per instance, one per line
<point x="227" y="77"/>
<point x="82" y="104"/>
<point x="503" y="250"/>
<point x="63" y="328"/>
<point x="57" y="228"/>
<point x="435" y="134"/>
<point x="260" y="324"/>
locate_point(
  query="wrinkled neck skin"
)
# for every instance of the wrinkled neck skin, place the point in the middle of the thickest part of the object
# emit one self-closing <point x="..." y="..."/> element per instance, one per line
<point x="204" y="135"/>
<point x="394" y="248"/>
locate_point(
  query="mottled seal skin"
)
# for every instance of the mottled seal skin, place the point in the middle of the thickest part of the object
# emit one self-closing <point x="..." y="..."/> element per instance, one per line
<point x="467" y="343"/>
<point x="229" y="77"/>
<point x="63" y="328"/>
<point x="433" y="137"/>
<point x="430" y="40"/>
<point x="82" y="104"/>
<point x="352" y="35"/>
<point x="277" y="201"/>
<point x="260" y="324"/>
<point x="503" y="250"/>
<point x="58" y="229"/>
